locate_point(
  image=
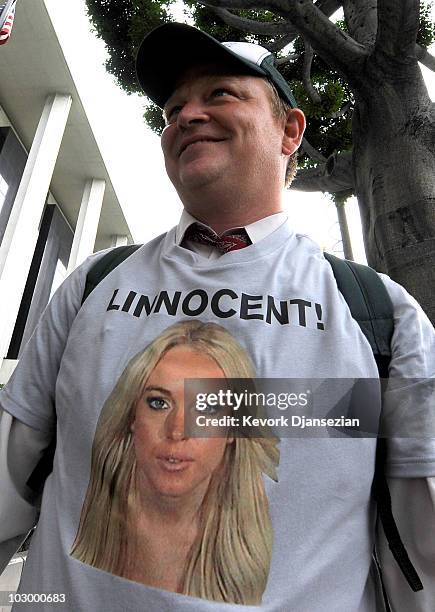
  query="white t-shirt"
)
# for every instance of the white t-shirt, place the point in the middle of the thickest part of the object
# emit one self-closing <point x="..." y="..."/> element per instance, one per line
<point x="321" y="508"/>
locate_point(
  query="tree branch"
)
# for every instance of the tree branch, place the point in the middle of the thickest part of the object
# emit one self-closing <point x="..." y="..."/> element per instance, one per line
<point x="291" y="57"/>
<point x="334" y="45"/>
<point x="398" y="23"/>
<point x="262" y="28"/>
<point x="306" y="74"/>
<point x="362" y="20"/>
<point x="325" y="37"/>
<point x="334" y="176"/>
<point x="311" y="151"/>
<point x="342" y="111"/>
<point x="329" y="7"/>
<point x="281" y="43"/>
<point x="267" y="5"/>
<point x="425" y="57"/>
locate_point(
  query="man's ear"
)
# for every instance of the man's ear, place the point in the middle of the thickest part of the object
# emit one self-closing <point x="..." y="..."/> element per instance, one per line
<point x="293" y="131"/>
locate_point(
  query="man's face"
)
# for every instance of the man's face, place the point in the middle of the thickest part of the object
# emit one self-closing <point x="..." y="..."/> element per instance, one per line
<point x="220" y="128"/>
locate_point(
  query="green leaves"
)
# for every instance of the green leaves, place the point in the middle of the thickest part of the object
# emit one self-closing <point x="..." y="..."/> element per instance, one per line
<point x="153" y="117"/>
<point x="426" y="31"/>
<point x="122" y="24"/>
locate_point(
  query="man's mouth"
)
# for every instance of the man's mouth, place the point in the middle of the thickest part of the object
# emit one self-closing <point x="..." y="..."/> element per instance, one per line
<point x="185" y="145"/>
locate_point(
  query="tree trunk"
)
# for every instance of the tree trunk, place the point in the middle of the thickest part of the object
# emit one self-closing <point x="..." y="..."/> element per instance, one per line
<point x="393" y="131"/>
<point x="394" y="153"/>
<point x="344" y="229"/>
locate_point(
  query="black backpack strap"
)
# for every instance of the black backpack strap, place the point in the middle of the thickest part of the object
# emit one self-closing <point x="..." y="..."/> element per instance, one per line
<point x="105" y="265"/>
<point x="100" y="270"/>
<point x="370" y="305"/>
<point x="43" y="468"/>
<point x="381" y="493"/>
<point x="372" y="308"/>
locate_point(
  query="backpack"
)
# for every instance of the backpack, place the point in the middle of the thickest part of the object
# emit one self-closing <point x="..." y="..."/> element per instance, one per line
<point x="371" y="307"/>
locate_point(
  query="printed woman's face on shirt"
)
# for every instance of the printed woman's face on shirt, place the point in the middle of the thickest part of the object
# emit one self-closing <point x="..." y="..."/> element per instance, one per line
<point x="169" y="463"/>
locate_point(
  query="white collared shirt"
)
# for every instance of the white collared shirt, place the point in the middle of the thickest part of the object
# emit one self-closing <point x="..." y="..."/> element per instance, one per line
<point x="256" y="232"/>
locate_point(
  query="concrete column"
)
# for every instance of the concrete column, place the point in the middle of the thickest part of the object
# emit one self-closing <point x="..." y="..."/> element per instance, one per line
<point x="4" y="120"/>
<point x="6" y="370"/>
<point x="119" y="240"/>
<point x="87" y="223"/>
<point x="18" y="244"/>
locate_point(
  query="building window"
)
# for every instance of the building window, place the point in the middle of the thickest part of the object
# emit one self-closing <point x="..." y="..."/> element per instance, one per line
<point x="59" y="277"/>
<point x="47" y="271"/>
<point x="13" y="159"/>
<point x="3" y="191"/>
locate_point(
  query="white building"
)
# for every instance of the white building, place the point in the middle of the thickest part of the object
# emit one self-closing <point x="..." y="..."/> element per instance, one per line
<point x="57" y="201"/>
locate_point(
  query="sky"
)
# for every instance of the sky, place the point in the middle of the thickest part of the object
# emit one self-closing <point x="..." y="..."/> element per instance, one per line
<point x="132" y="151"/>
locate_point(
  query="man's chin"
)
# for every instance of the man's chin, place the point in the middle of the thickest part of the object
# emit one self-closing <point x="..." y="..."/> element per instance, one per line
<point x="198" y="178"/>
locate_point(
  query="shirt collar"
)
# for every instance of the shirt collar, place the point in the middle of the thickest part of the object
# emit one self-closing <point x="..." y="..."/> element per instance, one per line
<point x="256" y="231"/>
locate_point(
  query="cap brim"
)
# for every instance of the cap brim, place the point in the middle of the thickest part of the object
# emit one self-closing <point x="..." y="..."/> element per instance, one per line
<point x="169" y="50"/>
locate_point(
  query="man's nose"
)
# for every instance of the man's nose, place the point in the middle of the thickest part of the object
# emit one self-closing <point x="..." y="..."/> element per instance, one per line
<point x="174" y="425"/>
<point x="194" y="111"/>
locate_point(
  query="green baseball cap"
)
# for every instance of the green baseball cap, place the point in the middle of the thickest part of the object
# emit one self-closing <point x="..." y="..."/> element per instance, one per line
<point x="170" y="49"/>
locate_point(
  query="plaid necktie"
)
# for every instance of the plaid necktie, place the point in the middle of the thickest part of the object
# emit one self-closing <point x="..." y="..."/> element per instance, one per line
<point x="237" y="239"/>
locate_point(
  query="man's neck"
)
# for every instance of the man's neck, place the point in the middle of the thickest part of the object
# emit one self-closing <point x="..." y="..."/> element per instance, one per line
<point x="223" y="224"/>
<point x="224" y="213"/>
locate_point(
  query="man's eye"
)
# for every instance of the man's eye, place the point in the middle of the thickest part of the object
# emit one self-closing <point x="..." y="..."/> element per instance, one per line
<point x="157" y="403"/>
<point x="222" y="91"/>
<point x="172" y="113"/>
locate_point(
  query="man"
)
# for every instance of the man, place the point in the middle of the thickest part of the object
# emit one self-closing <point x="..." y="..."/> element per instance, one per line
<point x="231" y="136"/>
